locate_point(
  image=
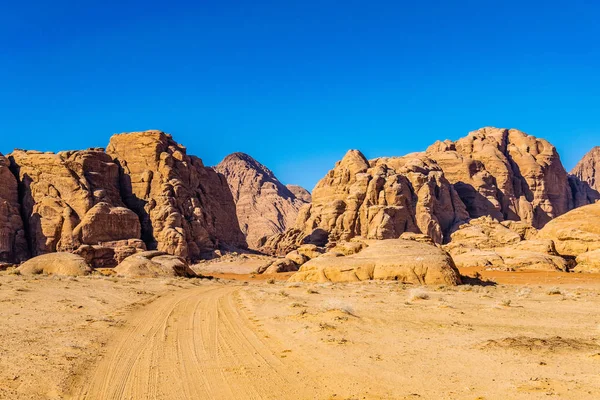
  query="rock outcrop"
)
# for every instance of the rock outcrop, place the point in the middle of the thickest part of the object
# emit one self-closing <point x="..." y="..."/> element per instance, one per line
<point x="485" y="242"/>
<point x="13" y="243"/>
<point x="264" y="205"/>
<point x="66" y="264"/>
<point x="72" y="199"/>
<point x="381" y="199"/>
<point x="506" y="174"/>
<point x="154" y="264"/>
<point x="185" y="208"/>
<point x="576" y="232"/>
<point x="588" y="169"/>
<point x="406" y="261"/>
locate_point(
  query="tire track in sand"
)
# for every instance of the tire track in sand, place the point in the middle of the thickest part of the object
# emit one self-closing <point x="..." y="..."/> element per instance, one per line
<point x="194" y="344"/>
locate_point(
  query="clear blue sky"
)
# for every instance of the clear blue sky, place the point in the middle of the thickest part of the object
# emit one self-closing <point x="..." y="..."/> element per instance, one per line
<point x="297" y="83"/>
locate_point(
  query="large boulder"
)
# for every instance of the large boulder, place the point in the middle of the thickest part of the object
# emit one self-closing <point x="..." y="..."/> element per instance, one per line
<point x="393" y="259"/>
<point x="13" y="243"/>
<point x="506" y="174"/>
<point x="576" y="232"/>
<point x="185" y="208"/>
<point x="65" y="264"/>
<point x="154" y="264"/>
<point x="264" y="206"/>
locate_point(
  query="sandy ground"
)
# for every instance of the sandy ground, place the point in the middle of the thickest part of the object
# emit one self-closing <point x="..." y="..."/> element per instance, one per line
<point x="108" y="338"/>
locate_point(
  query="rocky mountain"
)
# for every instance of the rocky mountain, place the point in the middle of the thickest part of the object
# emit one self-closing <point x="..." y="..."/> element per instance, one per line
<point x="501" y="173"/>
<point x="264" y="206"/>
<point x="378" y="199"/>
<point x="588" y="169"/>
<point x="506" y="174"/>
<point x="185" y="208"/>
<point x="143" y="192"/>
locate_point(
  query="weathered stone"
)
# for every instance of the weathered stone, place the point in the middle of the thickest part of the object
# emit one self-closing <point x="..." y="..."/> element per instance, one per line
<point x="185" y="208"/>
<point x="506" y="174"/>
<point x="588" y="169"/>
<point x="66" y="264"/>
<point x="576" y="232"/>
<point x="13" y="244"/>
<point x="264" y="206"/>
<point x="153" y="264"/>
<point x="393" y="259"/>
<point x="71" y="199"/>
<point x="588" y="262"/>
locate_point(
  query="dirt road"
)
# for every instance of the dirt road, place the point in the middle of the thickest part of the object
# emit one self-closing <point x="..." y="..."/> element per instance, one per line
<point x="194" y="344"/>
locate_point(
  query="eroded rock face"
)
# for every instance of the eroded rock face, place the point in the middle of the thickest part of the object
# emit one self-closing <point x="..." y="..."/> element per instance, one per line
<point x="381" y="199"/>
<point x="485" y="242"/>
<point x="13" y="243"/>
<point x="185" y="208"/>
<point x="393" y="259"/>
<point x="264" y="205"/>
<point x="576" y="232"/>
<point x="588" y="169"/>
<point x="506" y="174"/>
<point x="72" y="199"/>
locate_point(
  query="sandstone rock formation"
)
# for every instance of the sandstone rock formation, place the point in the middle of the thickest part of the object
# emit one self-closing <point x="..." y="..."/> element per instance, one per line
<point x="71" y="199"/>
<point x="485" y="242"/>
<point x="394" y="259"/>
<point x="13" y="243"/>
<point x="588" y="169"/>
<point x="153" y="264"/>
<point x="65" y="264"/>
<point x="185" y="208"/>
<point x="588" y="262"/>
<point x="264" y="205"/>
<point x="381" y="199"/>
<point x="576" y="232"/>
<point x="506" y="174"/>
<point x="300" y="193"/>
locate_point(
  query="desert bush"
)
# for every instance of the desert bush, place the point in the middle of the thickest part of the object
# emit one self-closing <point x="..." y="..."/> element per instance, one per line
<point x="418" y="294"/>
<point x="554" y="291"/>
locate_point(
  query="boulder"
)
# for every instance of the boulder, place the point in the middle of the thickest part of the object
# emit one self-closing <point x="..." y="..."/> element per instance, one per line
<point x="392" y="259"/>
<point x="576" y="232"/>
<point x="588" y="262"/>
<point x="185" y="208"/>
<point x="280" y="265"/>
<point x="154" y="264"/>
<point x="264" y="206"/>
<point x="65" y="264"/>
<point x="13" y="243"/>
<point x="296" y="257"/>
<point x="110" y="254"/>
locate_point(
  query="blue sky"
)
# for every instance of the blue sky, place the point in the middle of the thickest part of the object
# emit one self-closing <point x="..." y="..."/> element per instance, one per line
<point x="297" y="83"/>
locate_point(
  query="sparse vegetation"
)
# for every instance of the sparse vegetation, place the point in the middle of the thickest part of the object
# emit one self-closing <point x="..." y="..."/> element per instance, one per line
<point x="418" y="294"/>
<point x="271" y="281"/>
<point x="312" y="291"/>
<point x="554" y="291"/>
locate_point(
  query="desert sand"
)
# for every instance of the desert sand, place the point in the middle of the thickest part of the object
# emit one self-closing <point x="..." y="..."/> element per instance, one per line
<point x="108" y="338"/>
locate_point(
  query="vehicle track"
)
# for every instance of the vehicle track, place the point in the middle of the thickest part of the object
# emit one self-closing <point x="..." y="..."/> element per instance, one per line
<point x="194" y="344"/>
